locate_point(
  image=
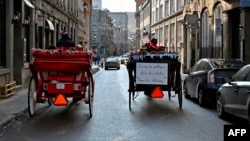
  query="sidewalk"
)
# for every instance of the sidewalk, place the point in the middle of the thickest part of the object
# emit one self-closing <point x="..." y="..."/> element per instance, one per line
<point x="13" y="107"/>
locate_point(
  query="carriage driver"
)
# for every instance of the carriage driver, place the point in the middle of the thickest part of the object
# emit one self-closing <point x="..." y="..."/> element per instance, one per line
<point x="152" y="44"/>
<point x="65" y="41"/>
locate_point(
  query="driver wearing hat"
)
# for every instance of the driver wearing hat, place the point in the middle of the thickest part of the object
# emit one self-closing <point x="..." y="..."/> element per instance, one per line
<point x="65" y="41"/>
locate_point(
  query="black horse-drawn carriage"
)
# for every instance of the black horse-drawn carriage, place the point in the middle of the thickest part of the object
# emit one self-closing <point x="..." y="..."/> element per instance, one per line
<point x="154" y="73"/>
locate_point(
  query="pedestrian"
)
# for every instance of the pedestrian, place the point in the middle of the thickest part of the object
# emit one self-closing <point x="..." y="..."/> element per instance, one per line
<point x="102" y="62"/>
<point x="97" y="60"/>
<point x="94" y="59"/>
<point x="65" y="41"/>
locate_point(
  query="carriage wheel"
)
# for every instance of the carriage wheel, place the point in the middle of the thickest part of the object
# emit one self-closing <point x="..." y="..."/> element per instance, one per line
<point x="50" y="100"/>
<point x="32" y="96"/>
<point x="130" y="98"/>
<point x="89" y="94"/>
<point x="169" y="94"/>
<point x="180" y="97"/>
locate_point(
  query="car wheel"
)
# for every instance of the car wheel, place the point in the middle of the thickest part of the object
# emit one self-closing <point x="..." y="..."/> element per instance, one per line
<point x="219" y="107"/>
<point x="249" y="114"/>
<point x="201" y="98"/>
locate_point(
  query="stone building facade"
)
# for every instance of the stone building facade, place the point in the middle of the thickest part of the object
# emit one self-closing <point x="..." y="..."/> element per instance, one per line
<point x="101" y="33"/>
<point x="120" y="22"/>
<point x="200" y="28"/>
<point x="36" y="24"/>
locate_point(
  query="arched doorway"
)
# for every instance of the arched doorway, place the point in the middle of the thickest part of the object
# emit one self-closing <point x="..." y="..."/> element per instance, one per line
<point x="205" y="47"/>
<point x="218" y="31"/>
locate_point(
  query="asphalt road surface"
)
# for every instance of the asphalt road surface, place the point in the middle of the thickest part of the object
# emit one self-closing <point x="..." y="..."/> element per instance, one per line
<point x="148" y="120"/>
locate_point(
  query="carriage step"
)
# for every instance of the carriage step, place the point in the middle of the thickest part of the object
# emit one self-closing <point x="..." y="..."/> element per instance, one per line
<point x="8" y="89"/>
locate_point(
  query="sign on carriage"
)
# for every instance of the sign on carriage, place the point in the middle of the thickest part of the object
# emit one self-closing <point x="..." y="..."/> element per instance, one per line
<point x="152" y="73"/>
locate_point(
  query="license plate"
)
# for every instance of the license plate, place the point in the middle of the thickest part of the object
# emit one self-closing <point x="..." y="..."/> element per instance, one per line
<point x="60" y="86"/>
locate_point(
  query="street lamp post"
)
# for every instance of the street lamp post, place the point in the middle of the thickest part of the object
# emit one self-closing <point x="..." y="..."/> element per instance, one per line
<point x="95" y="44"/>
<point x="82" y="27"/>
<point x="85" y="8"/>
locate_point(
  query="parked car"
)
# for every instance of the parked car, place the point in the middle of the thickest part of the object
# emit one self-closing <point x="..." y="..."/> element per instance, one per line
<point x="112" y="62"/>
<point x="233" y="97"/>
<point x="206" y="76"/>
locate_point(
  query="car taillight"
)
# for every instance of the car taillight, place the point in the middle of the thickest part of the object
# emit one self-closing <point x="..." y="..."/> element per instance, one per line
<point x="210" y="77"/>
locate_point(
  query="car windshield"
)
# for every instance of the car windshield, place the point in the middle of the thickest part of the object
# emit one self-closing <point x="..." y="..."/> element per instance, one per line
<point x="230" y="64"/>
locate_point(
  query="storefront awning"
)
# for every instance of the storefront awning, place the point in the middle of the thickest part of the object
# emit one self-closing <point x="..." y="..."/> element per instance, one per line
<point x="51" y="26"/>
<point x="28" y="3"/>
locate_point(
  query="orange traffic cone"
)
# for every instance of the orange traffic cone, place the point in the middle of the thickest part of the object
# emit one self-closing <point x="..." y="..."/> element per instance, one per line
<point x="157" y="93"/>
<point x="60" y="100"/>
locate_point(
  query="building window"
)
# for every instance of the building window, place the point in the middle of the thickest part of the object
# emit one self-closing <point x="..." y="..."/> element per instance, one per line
<point x="180" y="5"/>
<point x="160" y="36"/>
<point x="94" y="28"/>
<point x="166" y="8"/>
<point x="166" y="35"/>
<point x="161" y="12"/>
<point x="179" y="31"/>
<point x="217" y="41"/>
<point x="39" y="36"/>
<point x="172" y="6"/>
<point x="157" y="14"/>
<point x="57" y="32"/>
<point x="26" y="45"/>
<point x="74" y="35"/>
<point x="153" y="3"/>
<point x="205" y="34"/>
<point x="94" y="19"/>
<point x="172" y="34"/>
<point x="178" y="50"/>
<point x="153" y="18"/>
<point x="157" y="34"/>
<point x="103" y="19"/>
<point x="102" y="38"/>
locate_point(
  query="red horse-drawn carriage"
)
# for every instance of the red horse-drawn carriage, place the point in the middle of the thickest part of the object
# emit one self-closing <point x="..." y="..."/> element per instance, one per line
<point x="58" y="75"/>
